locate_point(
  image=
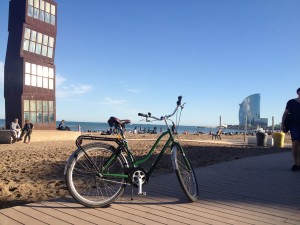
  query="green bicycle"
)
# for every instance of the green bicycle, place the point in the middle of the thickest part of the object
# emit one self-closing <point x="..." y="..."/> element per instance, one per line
<point x="97" y="173"/>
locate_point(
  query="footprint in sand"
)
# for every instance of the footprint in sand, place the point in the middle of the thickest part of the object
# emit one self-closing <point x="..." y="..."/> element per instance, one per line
<point x="12" y="189"/>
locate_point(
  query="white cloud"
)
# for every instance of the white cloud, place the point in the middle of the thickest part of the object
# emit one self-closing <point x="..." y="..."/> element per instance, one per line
<point x="135" y="91"/>
<point x="111" y="101"/>
<point x="64" y="90"/>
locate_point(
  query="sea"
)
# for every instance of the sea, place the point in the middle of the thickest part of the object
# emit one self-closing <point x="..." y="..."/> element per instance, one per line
<point x="102" y="127"/>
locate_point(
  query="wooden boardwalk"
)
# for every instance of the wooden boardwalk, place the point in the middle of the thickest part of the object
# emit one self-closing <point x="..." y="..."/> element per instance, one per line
<point x="254" y="190"/>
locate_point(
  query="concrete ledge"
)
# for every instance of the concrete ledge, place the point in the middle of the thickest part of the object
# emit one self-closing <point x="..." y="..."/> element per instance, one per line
<point x="5" y="137"/>
<point x="54" y="135"/>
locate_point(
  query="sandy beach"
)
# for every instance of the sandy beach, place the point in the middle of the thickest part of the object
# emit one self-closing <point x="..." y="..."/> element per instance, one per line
<point x="34" y="172"/>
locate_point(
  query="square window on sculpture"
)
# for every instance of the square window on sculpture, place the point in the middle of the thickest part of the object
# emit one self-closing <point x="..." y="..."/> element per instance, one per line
<point x="42" y="15"/>
<point x="26" y="45"/>
<point x="51" y="72"/>
<point x="50" y="52"/>
<point x="27" y="33"/>
<point x="45" y="39"/>
<point x="51" y="106"/>
<point x="51" y="84"/>
<point x="27" y="79"/>
<point x="39" y="106"/>
<point x="33" y="36"/>
<point x="45" y="106"/>
<point x="37" y="3"/>
<point x="44" y="50"/>
<point x="45" y="118"/>
<point x="39" y="81"/>
<point x="26" y="105"/>
<point x="53" y="9"/>
<point x="27" y="67"/>
<point x="45" y="82"/>
<point x="39" y="38"/>
<point x="26" y="115"/>
<point x="38" y="48"/>
<point x="33" y="80"/>
<point x="39" y="117"/>
<point x="39" y="70"/>
<point x="32" y="106"/>
<point x="45" y="71"/>
<point x="52" y="19"/>
<point x="51" y="117"/>
<point x="47" y="7"/>
<point x="30" y="11"/>
<point x="36" y="13"/>
<point x="51" y="42"/>
<point x="32" y="46"/>
<point x="47" y="17"/>
<point x="33" y="117"/>
<point x="33" y="69"/>
<point x="42" y="5"/>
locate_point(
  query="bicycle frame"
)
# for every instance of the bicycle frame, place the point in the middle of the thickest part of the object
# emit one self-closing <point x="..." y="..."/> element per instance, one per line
<point x="123" y="147"/>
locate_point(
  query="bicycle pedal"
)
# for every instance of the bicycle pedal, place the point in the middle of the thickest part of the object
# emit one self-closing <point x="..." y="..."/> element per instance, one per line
<point x="142" y="193"/>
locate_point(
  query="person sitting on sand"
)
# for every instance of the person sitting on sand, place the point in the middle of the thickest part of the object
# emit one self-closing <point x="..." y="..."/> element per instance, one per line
<point x="62" y="126"/>
<point x="16" y="129"/>
<point x="27" y="130"/>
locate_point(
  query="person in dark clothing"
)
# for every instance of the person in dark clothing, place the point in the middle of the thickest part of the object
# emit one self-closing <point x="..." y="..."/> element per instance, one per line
<point x="173" y="128"/>
<point x="62" y="126"/>
<point x="27" y="131"/>
<point x="292" y="110"/>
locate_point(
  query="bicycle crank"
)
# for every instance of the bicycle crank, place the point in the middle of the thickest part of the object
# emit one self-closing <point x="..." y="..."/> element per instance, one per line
<point x="138" y="178"/>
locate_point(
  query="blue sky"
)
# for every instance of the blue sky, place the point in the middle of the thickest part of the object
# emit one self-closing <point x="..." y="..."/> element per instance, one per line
<point x="119" y="58"/>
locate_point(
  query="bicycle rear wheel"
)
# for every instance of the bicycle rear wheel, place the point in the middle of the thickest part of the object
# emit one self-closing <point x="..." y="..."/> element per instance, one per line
<point x="85" y="184"/>
<point x="185" y="173"/>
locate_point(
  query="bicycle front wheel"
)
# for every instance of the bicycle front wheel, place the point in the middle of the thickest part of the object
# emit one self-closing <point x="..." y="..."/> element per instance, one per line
<point x="84" y="182"/>
<point x="185" y="173"/>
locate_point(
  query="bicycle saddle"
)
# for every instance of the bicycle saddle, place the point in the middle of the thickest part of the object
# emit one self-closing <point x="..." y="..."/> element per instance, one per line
<point x="114" y="121"/>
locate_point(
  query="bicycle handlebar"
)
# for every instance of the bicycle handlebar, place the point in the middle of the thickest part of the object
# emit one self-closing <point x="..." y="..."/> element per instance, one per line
<point x="166" y="116"/>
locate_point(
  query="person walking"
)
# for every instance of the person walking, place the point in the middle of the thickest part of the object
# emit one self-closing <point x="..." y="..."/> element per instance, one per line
<point x="292" y="110"/>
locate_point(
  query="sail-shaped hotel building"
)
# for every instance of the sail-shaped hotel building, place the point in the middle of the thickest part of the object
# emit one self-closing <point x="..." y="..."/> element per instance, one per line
<point x="250" y="112"/>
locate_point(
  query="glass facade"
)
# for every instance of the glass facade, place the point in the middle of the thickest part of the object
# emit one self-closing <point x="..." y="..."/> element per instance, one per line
<point x="250" y="108"/>
<point x="38" y="111"/>
<point x="41" y="10"/>
<point x="39" y="76"/>
<point x="38" y="43"/>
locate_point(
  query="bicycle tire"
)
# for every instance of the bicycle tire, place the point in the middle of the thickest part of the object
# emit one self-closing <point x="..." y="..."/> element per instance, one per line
<point x="85" y="186"/>
<point x="185" y="173"/>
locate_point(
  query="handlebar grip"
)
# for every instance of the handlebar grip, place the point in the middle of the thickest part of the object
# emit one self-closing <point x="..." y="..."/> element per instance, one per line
<point x="179" y="100"/>
<point x="142" y="114"/>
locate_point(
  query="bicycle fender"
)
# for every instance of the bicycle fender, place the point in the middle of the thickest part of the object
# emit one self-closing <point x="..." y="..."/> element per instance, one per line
<point x="173" y="157"/>
<point x="74" y="154"/>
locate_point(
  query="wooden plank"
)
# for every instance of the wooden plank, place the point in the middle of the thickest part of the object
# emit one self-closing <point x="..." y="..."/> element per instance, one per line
<point x="59" y="214"/>
<point x="29" y="211"/>
<point x="21" y="217"/>
<point x="73" y="211"/>
<point x="7" y="220"/>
